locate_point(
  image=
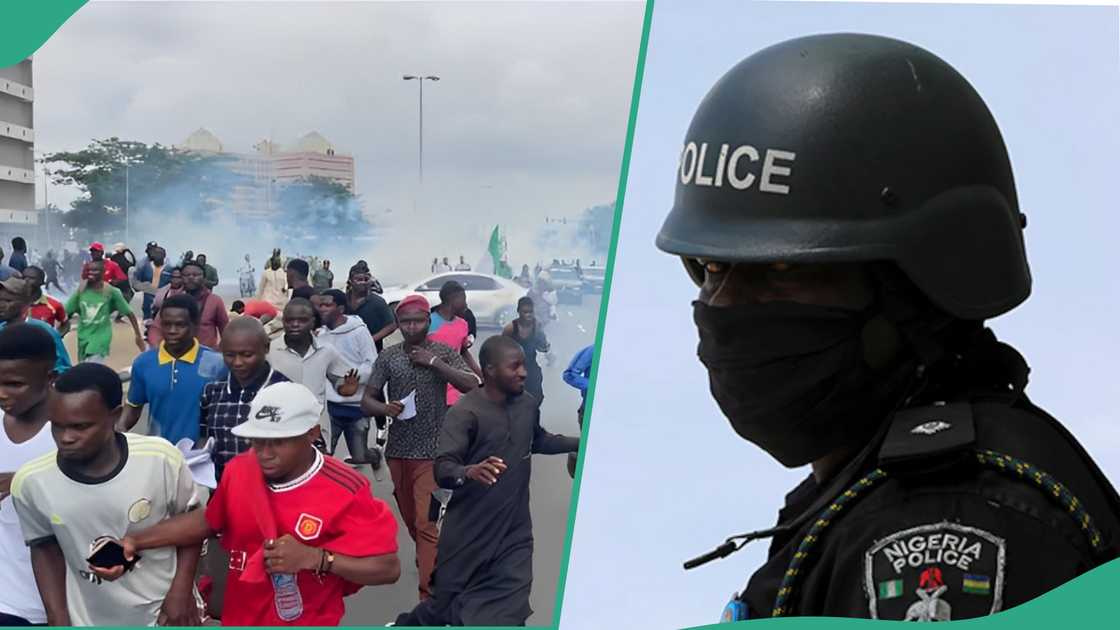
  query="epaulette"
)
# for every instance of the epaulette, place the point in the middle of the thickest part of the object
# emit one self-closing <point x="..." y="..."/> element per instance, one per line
<point x="923" y="439"/>
<point x="920" y="440"/>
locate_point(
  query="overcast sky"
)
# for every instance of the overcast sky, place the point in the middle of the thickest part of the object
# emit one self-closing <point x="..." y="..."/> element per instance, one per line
<point x="528" y="120"/>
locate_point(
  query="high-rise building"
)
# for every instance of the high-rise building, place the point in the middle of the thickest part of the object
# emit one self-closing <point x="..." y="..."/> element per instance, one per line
<point x="17" y="153"/>
<point x="271" y="166"/>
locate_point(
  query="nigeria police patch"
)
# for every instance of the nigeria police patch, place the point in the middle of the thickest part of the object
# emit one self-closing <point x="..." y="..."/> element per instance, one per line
<point x="936" y="572"/>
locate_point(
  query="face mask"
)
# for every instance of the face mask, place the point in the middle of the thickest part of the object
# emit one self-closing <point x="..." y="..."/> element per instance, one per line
<point x="792" y="378"/>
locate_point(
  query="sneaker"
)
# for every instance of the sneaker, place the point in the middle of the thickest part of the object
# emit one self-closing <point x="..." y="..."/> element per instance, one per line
<point x="380" y="470"/>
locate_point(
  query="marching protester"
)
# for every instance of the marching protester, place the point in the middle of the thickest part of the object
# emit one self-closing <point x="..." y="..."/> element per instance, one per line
<point x="449" y="328"/>
<point x="300" y="356"/>
<point x="174" y="286"/>
<point x="302" y="530"/>
<point x="484" y="563"/>
<point x="246" y="278"/>
<point x="150" y="275"/>
<point x="27" y="368"/>
<point x="213" y="316"/>
<point x="170" y="379"/>
<point x="578" y="372"/>
<point x="94" y="303"/>
<point x="44" y="307"/>
<point x="52" y="267"/>
<point x="210" y="273"/>
<point x="18" y="259"/>
<point x="369" y="306"/>
<point x="112" y="272"/>
<point x="273" y="287"/>
<point x="323" y="278"/>
<point x="15" y="301"/>
<point x="462" y="266"/>
<point x="5" y="271"/>
<point x="363" y="299"/>
<point x="374" y="283"/>
<point x="104" y="484"/>
<point x="578" y="375"/>
<point x="225" y="403"/>
<point x="348" y="335"/>
<point x="417" y="370"/>
<point x="529" y="333"/>
<point x="126" y="260"/>
<point x="297" y="272"/>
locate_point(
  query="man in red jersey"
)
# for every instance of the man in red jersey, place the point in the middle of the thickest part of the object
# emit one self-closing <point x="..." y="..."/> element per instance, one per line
<point x="114" y="275"/>
<point x="303" y="530"/>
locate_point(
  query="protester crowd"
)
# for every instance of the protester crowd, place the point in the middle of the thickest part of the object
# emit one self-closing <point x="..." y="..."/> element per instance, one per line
<point x="231" y="506"/>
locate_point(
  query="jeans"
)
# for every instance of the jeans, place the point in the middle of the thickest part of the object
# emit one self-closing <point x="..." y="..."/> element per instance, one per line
<point x="356" y="431"/>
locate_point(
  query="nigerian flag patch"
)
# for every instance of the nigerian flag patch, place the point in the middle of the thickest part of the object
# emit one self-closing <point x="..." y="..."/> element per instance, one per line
<point x="976" y="584"/>
<point x="890" y="588"/>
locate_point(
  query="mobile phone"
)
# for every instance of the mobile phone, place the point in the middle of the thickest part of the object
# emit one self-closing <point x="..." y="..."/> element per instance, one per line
<point x="108" y="553"/>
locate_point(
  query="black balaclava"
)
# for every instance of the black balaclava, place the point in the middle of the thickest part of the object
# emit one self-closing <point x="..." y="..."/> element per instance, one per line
<point x="801" y="381"/>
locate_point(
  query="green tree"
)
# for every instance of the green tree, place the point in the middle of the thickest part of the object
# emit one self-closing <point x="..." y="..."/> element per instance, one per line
<point x="595" y="225"/>
<point x="321" y="208"/>
<point x="147" y="179"/>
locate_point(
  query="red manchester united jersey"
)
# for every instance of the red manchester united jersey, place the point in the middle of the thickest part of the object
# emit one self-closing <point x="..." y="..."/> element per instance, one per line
<point x="330" y="507"/>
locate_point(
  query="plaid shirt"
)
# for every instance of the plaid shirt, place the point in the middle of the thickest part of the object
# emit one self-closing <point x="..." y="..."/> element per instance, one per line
<point x="224" y="405"/>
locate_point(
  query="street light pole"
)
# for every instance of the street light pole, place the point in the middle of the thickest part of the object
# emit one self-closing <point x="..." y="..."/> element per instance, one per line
<point x="126" y="202"/>
<point x="47" y="205"/>
<point x="421" y="79"/>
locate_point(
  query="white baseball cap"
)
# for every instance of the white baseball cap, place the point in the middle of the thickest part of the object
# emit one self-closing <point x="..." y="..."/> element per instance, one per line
<point x="281" y="410"/>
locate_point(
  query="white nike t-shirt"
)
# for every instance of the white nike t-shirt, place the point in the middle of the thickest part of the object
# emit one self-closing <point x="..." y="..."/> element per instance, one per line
<point x="18" y="594"/>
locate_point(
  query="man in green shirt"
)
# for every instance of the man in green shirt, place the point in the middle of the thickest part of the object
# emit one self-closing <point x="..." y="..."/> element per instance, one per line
<point x="94" y="303"/>
<point x="210" y="274"/>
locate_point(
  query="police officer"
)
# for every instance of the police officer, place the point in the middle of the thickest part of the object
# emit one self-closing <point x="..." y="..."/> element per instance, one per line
<point x="847" y="207"/>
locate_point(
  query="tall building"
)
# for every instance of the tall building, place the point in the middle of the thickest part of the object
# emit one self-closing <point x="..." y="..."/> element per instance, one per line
<point x="270" y="166"/>
<point x="17" y="154"/>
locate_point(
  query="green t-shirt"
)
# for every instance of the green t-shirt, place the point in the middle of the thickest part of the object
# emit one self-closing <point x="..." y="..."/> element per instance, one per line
<point x="95" y="311"/>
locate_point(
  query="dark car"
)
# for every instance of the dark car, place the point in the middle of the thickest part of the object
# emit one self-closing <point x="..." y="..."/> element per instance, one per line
<point x="568" y="283"/>
<point x="593" y="278"/>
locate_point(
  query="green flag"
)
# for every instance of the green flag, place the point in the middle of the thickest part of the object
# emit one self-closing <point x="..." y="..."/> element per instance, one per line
<point x="497" y="250"/>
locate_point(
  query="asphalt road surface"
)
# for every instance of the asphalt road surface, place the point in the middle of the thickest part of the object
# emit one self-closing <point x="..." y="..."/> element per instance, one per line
<point x="550" y="487"/>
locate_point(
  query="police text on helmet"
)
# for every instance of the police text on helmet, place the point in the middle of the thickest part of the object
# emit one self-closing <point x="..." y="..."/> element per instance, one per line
<point x="733" y="166"/>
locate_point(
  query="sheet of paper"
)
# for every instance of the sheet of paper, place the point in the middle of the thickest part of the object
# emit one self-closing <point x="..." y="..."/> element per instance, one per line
<point x="409" y="403"/>
<point x="199" y="461"/>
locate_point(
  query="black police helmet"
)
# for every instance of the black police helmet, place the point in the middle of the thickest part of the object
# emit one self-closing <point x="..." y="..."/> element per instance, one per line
<point x="854" y="148"/>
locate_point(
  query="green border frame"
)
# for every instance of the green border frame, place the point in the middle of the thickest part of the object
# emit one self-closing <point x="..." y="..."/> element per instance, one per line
<point x="28" y="24"/>
<point x="588" y="416"/>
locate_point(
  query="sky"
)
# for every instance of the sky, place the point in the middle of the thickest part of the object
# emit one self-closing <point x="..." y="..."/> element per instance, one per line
<point x="527" y="121"/>
<point x="665" y="478"/>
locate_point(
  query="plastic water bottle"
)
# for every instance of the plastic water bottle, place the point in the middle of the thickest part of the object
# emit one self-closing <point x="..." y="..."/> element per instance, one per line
<point x="289" y="602"/>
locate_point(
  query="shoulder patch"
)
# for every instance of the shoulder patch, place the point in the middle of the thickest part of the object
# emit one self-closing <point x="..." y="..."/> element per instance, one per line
<point x="923" y="435"/>
<point x="935" y="572"/>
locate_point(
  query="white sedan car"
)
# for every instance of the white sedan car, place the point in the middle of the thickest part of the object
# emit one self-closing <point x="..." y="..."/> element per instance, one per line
<point x="493" y="300"/>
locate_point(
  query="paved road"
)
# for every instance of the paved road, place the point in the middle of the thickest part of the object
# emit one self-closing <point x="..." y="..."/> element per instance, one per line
<point x="550" y="490"/>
